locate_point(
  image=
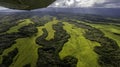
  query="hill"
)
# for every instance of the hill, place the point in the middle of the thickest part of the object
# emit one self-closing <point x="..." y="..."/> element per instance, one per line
<point x="107" y="12"/>
<point x="59" y="40"/>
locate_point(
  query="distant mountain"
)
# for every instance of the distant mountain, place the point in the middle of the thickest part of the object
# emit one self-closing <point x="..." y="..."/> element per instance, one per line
<point x="106" y="12"/>
<point x="111" y="12"/>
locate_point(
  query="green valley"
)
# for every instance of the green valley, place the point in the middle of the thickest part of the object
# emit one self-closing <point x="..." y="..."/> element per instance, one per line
<point x="51" y="41"/>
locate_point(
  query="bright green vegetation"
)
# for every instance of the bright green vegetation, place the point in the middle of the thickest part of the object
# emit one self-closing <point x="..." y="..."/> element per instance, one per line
<point x="50" y="30"/>
<point x="27" y="47"/>
<point x="21" y="24"/>
<point x="27" y="50"/>
<point x="79" y="47"/>
<point x="109" y="31"/>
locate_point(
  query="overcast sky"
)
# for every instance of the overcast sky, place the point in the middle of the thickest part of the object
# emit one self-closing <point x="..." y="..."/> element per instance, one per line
<point x="83" y="3"/>
<point x="87" y="3"/>
<point x="2" y="8"/>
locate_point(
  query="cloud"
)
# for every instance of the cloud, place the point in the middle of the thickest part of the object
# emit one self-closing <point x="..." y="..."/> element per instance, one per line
<point x="3" y="8"/>
<point x="108" y="4"/>
<point x="87" y="3"/>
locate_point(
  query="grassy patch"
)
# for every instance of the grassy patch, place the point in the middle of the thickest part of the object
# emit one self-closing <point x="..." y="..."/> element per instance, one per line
<point x="80" y="47"/>
<point x="50" y="30"/>
<point x="27" y="47"/>
<point x="27" y="50"/>
<point x="109" y="31"/>
<point x="21" y="24"/>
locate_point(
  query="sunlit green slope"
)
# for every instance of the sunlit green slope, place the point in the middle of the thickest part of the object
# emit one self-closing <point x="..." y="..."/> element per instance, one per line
<point x="26" y="46"/>
<point x="61" y="44"/>
<point x="80" y="47"/>
<point x="110" y="31"/>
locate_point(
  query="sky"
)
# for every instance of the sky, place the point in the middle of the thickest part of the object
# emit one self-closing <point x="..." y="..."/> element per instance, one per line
<point x="82" y="3"/>
<point x="87" y="3"/>
<point x="2" y="8"/>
